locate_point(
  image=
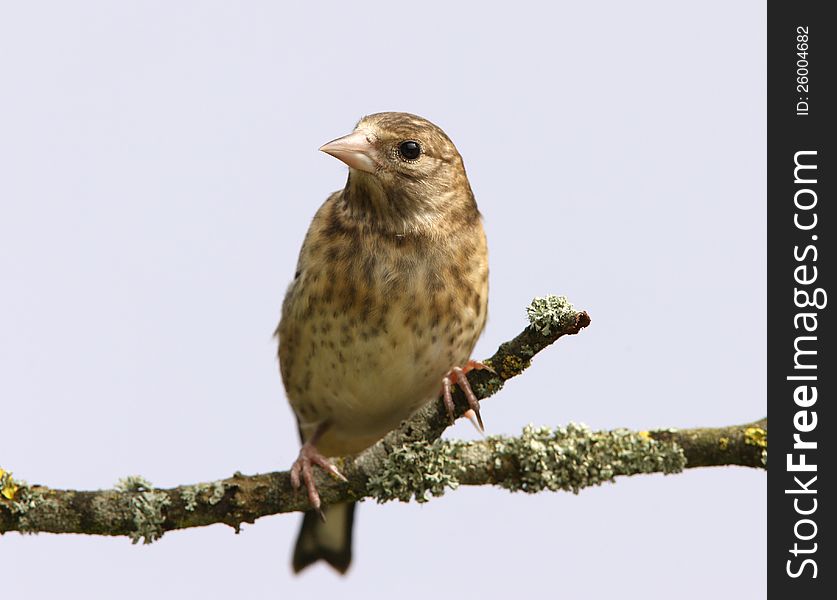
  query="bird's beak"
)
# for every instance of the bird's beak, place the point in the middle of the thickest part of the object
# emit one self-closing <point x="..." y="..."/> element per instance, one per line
<point x="356" y="150"/>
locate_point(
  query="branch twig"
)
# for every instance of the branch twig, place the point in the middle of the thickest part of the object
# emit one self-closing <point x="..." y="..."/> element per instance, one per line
<point x="410" y="461"/>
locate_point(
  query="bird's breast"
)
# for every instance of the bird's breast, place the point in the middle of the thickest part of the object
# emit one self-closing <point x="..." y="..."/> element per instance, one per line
<point x="370" y="327"/>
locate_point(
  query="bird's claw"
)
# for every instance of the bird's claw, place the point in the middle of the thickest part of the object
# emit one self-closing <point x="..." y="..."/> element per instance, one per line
<point x="457" y="376"/>
<point x="471" y="415"/>
<point x="302" y="471"/>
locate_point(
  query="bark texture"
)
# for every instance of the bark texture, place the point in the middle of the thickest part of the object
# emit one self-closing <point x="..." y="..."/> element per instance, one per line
<point x="411" y="462"/>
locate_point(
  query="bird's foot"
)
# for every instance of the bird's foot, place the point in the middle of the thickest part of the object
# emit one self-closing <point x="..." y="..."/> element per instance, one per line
<point x="302" y="471"/>
<point x="457" y="376"/>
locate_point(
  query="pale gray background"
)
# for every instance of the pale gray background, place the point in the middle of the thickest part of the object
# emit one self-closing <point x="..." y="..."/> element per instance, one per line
<point x="159" y="171"/>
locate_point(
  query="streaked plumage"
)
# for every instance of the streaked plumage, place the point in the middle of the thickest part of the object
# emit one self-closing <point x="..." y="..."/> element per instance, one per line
<point x="390" y="293"/>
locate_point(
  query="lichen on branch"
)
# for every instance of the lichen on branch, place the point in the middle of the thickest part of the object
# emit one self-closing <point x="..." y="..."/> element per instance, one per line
<point x="411" y="462"/>
<point x="568" y="458"/>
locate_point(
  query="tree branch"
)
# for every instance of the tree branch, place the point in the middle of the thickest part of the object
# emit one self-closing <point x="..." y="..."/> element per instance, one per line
<point x="410" y="462"/>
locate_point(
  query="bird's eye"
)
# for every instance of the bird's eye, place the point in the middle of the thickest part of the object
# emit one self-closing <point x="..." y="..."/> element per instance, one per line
<point x="409" y="150"/>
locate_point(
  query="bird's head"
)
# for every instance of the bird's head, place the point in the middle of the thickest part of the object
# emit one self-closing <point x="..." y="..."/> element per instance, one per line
<point x="403" y="168"/>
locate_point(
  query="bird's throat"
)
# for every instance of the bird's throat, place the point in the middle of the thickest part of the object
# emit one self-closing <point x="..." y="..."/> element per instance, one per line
<point x="390" y="209"/>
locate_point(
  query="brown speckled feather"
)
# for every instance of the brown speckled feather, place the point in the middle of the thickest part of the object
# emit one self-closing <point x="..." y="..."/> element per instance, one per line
<point x="391" y="290"/>
<point x="385" y="301"/>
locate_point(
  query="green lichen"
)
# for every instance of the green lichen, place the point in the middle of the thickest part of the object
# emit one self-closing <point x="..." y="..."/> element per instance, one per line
<point x="490" y="386"/>
<point x="723" y="443"/>
<point x="211" y="493"/>
<point x="133" y="483"/>
<point x="550" y="313"/>
<point x="190" y="496"/>
<point x="574" y="457"/>
<point x="565" y="458"/>
<point x="217" y="494"/>
<point x="27" y="500"/>
<point x="526" y="351"/>
<point x="147" y="507"/>
<point x="29" y="504"/>
<point x="419" y="470"/>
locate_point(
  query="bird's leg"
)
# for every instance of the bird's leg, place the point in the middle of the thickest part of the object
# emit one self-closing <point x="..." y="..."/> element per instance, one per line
<point x="302" y="470"/>
<point x="457" y="376"/>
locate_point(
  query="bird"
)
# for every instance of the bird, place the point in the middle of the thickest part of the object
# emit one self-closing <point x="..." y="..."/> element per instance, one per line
<point x="389" y="297"/>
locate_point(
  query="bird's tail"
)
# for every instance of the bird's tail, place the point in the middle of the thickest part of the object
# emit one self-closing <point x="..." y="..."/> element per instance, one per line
<point x="329" y="540"/>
